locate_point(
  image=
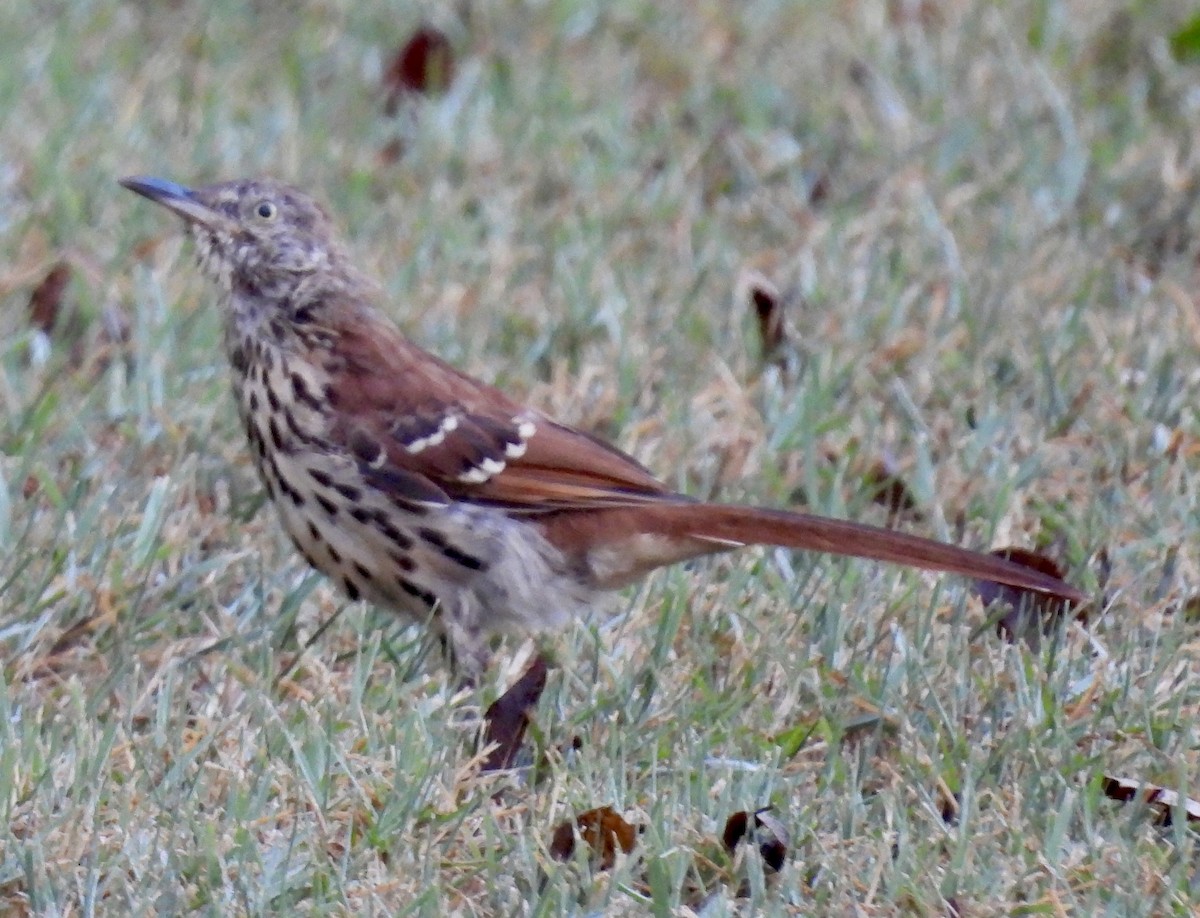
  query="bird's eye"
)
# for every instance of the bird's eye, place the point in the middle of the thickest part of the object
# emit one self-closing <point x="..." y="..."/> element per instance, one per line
<point x="266" y="210"/>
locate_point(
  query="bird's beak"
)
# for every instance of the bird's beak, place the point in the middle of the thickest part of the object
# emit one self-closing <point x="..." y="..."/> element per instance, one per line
<point x="177" y="198"/>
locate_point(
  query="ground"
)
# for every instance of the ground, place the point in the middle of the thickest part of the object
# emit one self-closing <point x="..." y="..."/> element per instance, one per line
<point x="976" y="223"/>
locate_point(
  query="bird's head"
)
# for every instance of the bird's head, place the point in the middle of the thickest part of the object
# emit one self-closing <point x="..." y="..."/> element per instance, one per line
<point x="257" y="237"/>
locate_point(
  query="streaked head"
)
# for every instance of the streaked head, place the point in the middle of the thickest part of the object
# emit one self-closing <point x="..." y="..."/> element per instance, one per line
<point x="257" y="236"/>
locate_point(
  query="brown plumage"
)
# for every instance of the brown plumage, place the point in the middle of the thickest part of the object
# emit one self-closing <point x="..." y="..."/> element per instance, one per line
<point x="432" y="493"/>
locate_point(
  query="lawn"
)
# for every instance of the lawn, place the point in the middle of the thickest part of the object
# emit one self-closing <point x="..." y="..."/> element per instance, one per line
<point x="977" y="226"/>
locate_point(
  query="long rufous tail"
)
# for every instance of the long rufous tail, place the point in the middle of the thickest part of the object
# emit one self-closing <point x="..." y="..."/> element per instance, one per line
<point x="693" y="529"/>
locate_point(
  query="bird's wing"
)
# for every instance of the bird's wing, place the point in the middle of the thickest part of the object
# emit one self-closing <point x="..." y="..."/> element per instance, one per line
<point x="465" y="438"/>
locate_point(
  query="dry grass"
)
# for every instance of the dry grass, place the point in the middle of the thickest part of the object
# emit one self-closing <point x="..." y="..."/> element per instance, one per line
<point x="982" y="220"/>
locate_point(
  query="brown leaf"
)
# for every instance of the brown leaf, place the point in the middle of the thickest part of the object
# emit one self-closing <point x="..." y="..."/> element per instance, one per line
<point x="508" y="716"/>
<point x="888" y="489"/>
<point x="736" y="827"/>
<point x="1164" y="803"/>
<point x="424" y="65"/>
<point x="390" y="153"/>
<point x="951" y="806"/>
<point x="45" y="302"/>
<point x="603" y="830"/>
<point x="769" y="834"/>
<point x="818" y="188"/>
<point x="1103" y="567"/>
<point x="1190" y="608"/>
<point x="768" y="310"/>
<point x="1030" y="615"/>
<point x="206" y="503"/>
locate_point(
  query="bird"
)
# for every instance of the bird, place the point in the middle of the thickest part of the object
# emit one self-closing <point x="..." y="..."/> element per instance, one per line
<point x="431" y="493"/>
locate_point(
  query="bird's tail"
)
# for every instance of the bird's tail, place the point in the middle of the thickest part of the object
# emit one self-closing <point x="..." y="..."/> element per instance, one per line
<point x="714" y="527"/>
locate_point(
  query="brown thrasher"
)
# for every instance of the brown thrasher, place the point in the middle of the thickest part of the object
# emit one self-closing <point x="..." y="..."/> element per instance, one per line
<point x="434" y="494"/>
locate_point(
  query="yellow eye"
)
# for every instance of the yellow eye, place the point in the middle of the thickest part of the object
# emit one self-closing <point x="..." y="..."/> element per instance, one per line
<point x="266" y="210"/>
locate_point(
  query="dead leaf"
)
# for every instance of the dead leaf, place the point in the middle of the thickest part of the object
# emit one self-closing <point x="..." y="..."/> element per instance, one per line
<point x="390" y="153"/>
<point x="1164" y="803"/>
<point x="603" y="830"/>
<point x="768" y="833"/>
<point x="508" y="716"/>
<point x="951" y="805"/>
<point x="887" y="488"/>
<point x="424" y="65"/>
<point x="1190" y="608"/>
<point x="205" y="503"/>
<point x="767" y="303"/>
<point x="1029" y="616"/>
<point x="1103" y="567"/>
<point x="45" y="303"/>
<point x="818" y="188"/>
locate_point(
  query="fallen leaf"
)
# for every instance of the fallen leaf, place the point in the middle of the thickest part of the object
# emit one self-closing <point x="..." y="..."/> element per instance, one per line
<point x="508" y="716"/>
<point x="205" y="503"/>
<point x="1103" y="567"/>
<point x="818" y="188"/>
<point x="768" y="310"/>
<point x="768" y="833"/>
<point x="1190" y="608"/>
<point x="736" y="827"/>
<point x="424" y="65"/>
<point x="1029" y="616"/>
<point x="1164" y="803"/>
<point x="951" y="806"/>
<point x="886" y="487"/>
<point x="603" y="830"/>
<point x="45" y="303"/>
<point x="390" y="153"/>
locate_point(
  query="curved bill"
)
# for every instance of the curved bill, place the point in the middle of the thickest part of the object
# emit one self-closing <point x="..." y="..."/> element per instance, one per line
<point x="177" y="198"/>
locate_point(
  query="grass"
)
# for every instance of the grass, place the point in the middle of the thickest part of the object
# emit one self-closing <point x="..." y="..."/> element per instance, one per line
<point x="982" y="221"/>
